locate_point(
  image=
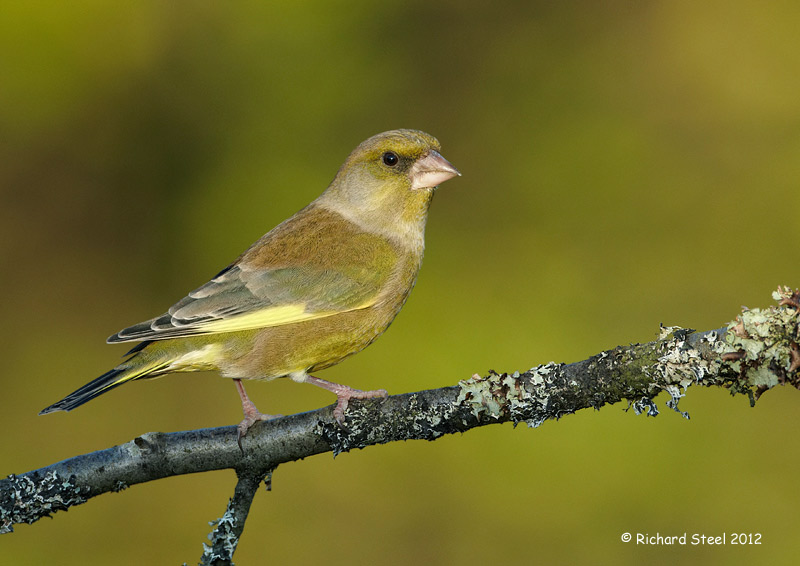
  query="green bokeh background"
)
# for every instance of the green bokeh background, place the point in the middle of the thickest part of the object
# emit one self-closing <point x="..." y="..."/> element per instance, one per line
<point x="625" y="164"/>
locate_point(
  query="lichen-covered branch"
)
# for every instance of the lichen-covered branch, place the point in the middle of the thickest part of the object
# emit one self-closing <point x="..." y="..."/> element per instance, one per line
<point x="228" y="528"/>
<point x="752" y="354"/>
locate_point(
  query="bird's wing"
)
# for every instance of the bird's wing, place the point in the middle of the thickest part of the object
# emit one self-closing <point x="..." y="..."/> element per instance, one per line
<point x="242" y="298"/>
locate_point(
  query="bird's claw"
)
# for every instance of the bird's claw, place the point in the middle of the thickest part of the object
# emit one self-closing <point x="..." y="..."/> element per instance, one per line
<point x="343" y="399"/>
<point x="251" y="418"/>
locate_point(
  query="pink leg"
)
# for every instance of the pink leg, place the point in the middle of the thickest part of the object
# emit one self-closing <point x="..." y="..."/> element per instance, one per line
<point x="251" y="414"/>
<point x="343" y="394"/>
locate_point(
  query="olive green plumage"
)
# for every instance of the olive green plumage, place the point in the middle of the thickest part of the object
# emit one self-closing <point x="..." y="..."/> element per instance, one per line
<point x="317" y="288"/>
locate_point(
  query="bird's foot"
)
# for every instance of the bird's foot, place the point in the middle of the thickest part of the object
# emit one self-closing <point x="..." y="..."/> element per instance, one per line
<point x="343" y="395"/>
<point x="343" y="399"/>
<point x="251" y="417"/>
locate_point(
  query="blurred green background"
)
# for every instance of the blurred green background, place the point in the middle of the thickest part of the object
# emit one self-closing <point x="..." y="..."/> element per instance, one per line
<point x="625" y="164"/>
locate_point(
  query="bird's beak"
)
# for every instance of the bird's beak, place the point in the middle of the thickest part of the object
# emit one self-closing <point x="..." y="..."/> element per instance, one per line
<point x="430" y="170"/>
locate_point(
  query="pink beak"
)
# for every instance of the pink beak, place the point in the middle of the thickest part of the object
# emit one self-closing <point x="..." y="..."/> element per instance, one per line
<point x="431" y="170"/>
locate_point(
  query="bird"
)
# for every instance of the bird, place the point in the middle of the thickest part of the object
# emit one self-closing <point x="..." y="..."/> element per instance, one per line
<point x="316" y="289"/>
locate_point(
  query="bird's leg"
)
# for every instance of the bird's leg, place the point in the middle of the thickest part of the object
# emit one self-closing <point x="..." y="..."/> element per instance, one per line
<point x="251" y="414"/>
<point x="343" y="394"/>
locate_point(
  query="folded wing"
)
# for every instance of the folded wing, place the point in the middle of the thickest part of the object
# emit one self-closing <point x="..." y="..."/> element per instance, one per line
<point x="243" y="299"/>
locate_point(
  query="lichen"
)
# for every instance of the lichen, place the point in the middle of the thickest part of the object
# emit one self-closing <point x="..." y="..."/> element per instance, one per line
<point x="375" y="422"/>
<point x="482" y="395"/>
<point x="502" y="396"/>
<point x="223" y="538"/>
<point x="758" y="351"/>
<point x="37" y="496"/>
<point x="762" y="344"/>
<point x="645" y="405"/>
<point x="679" y="364"/>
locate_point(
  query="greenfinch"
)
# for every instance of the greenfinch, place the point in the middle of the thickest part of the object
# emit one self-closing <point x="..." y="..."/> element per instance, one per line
<point x="316" y="289"/>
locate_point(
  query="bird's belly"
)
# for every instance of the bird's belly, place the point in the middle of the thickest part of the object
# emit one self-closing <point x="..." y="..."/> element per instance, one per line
<point x="307" y="346"/>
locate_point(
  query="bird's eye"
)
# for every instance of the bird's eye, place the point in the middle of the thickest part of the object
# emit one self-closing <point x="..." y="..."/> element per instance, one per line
<point x="390" y="159"/>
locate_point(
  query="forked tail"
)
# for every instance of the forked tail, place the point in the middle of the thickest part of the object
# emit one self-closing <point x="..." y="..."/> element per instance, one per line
<point x="126" y="371"/>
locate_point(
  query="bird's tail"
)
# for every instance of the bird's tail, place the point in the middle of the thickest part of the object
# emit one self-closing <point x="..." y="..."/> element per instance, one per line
<point x="133" y="368"/>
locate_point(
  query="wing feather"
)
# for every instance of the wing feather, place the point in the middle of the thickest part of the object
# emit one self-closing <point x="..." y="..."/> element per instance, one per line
<point x="242" y="299"/>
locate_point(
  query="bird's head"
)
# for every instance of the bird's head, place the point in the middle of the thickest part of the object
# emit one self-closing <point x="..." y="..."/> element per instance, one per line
<point x="388" y="181"/>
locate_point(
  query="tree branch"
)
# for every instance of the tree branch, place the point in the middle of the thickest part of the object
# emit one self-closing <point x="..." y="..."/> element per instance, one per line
<point x="752" y="354"/>
<point x="225" y="536"/>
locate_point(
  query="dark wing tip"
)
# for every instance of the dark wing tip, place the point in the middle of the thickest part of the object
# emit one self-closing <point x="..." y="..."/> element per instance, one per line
<point x="51" y="409"/>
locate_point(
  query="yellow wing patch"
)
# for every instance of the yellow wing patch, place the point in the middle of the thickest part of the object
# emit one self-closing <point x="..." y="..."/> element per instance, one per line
<point x="272" y="316"/>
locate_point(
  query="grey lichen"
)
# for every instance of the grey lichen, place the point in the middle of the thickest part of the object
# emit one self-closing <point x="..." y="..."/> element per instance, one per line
<point x="679" y="365"/>
<point x="762" y="344"/>
<point x="757" y="351"/>
<point x="228" y="528"/>
<point x="503" y="397"/>
<point x="37" y="496"/>
<point x="754" y="353"/>
<point x="488" y="396"/>
<point x="224" y="538"/>
<point x="645" y="405"/>
<point x="378" y="421"/>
